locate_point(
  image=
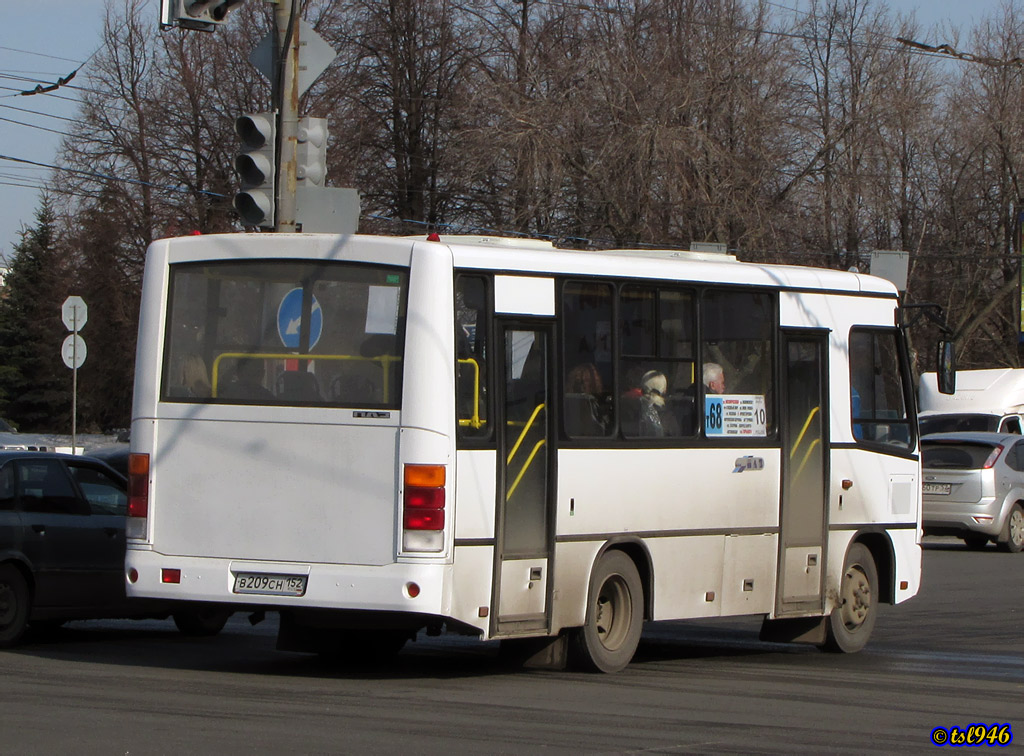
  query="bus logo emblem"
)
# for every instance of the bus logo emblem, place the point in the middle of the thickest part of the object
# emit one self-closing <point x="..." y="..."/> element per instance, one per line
<point x="748" y="463"/>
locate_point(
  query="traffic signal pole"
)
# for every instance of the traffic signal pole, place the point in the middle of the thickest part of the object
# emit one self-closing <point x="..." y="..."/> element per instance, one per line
<point x="286" y="100"/>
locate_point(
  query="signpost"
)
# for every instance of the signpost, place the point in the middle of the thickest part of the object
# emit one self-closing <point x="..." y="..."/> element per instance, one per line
<point x="75" y="314"/>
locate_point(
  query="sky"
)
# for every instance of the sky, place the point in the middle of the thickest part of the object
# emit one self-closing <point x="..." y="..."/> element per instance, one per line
<point x="61" y="35"/>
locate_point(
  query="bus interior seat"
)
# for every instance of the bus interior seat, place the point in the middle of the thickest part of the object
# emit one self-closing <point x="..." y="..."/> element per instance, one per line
<point x="629" y="415"/>
<point x="581" y="413"/>
<point x="684" y="408"/>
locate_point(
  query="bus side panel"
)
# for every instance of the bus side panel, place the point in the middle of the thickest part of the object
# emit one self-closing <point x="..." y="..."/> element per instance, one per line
<point x="471" y="585"/>
<point x="474" y="489"/>
<point x="640" y="490"/>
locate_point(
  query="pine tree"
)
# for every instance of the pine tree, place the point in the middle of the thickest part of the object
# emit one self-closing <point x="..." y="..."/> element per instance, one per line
<point x="35" y="386"/>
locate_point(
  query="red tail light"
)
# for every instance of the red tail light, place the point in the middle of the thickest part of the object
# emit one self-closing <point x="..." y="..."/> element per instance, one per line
<point x="424" y="497"/>
<point x="990" y="462"/>
<point x="138" y="485"/>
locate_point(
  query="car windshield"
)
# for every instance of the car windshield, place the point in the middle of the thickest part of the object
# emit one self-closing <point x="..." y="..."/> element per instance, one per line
<point x="959" y="423"/>
<point x="957" y="456"/>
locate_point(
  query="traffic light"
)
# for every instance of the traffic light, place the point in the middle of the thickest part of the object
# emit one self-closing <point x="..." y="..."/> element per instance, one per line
<point x="311" y="152"/>
<point x="204" y="15"/>
<point x="256" y="167"/>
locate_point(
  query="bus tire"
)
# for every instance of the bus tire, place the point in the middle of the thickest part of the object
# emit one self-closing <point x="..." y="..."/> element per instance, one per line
<point x="615" y="616"/>
<point x="1012" y="537"/>
<point x="15" y="601"/>
<point x="852" y="620"/>
<point x="203" y="622"/>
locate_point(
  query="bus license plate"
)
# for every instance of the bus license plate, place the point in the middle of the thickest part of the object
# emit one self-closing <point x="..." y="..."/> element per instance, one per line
<point x="270" y="585"/>
<point x="942" y="489"/>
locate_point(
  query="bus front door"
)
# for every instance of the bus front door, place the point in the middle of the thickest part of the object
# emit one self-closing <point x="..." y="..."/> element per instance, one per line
<point x="525" y="495"/>
<point x="803" y="518"/>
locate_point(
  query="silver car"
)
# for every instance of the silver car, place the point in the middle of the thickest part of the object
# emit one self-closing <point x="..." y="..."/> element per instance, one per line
<point x="973" y="487"/>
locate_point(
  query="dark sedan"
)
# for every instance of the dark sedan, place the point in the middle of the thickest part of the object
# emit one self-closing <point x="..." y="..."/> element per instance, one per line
<point x="62" y="544"/>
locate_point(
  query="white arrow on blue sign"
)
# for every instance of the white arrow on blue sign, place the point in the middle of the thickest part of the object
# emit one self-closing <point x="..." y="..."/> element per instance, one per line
<point x="289" y="320"/>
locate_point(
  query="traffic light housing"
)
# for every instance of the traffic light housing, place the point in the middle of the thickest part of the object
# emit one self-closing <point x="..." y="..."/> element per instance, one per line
<point x="204" y="15"/>
<point x="256" y="166"/>
<point x="311" y="152"/>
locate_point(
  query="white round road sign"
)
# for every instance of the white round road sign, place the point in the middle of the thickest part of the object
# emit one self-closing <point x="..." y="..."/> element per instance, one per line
<point x="73" y="351"/>
<point x="74" y="313"/>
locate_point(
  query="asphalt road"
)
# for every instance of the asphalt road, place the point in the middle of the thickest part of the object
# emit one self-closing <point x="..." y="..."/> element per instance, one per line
<point x="951" y="657"/>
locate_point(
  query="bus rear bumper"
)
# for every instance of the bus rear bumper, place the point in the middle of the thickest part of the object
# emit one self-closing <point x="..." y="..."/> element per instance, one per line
<point x="396" y="587"/>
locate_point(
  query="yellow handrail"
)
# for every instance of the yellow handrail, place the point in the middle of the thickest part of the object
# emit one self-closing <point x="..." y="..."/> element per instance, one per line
<point x="526" y="429"/>
<point x="803" y="431"/>
<point x="525" y="467"/>
<point x="807" y="456"/>
<point x="474" y="421"/>
<point x="383" y="359"/>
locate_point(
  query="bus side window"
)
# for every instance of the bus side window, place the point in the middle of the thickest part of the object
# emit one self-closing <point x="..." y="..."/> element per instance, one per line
<point x="656" y="363"/>
<point x="878" y="404"/>
<point x="737" y="334"/>
<point x="472" y="327"/>
<point x="586" y="359"/>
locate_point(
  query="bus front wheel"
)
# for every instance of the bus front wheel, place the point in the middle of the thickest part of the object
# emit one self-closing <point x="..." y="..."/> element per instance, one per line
<point x="611" y="633"/>
<point x="853" y="618"/>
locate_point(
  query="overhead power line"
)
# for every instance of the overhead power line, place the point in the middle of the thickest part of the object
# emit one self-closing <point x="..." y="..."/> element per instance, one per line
<point x="107" y="177"/>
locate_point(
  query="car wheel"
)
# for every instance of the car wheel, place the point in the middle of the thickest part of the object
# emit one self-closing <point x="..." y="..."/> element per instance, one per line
<point x="203" y="622"/>
<point x="852" y="620"/>
<point x="615" y="616"/>
<point x="1012" y="537"/>
<point x="976" y="541"/>
<point x="14" y="605"/>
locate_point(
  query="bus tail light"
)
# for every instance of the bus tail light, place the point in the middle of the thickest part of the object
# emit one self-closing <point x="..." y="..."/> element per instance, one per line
<point x="423" y="508"/>
<point x="138" y="495"/>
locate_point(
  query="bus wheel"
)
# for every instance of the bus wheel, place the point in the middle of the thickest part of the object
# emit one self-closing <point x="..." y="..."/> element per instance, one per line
<point x="14" y="605"/>
<point x="851" y="622"/>
<point x="1012" y="537"/>
<point x="203" y="622"/>
<point x="615" y="616"/>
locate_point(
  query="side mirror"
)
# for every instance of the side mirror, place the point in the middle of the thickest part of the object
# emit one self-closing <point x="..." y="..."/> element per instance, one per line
<point x="946" y="367"/>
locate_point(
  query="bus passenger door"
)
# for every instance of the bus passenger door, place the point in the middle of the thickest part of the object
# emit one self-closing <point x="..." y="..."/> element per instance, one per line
<point x="525" y="495"/>
<point x="803" y="517"/>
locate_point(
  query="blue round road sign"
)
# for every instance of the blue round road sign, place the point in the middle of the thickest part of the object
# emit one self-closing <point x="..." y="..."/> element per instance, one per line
<point x="289" y="320"/>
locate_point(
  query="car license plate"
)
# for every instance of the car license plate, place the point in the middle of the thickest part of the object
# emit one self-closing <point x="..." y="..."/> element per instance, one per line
<point x="942" y="489"/>
<point x="270" y="585"/>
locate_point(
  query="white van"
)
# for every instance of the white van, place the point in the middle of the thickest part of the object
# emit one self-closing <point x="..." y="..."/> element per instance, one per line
<point x="985" y="400"/>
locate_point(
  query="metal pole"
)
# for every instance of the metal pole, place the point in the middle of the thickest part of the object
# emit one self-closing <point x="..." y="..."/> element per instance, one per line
<point x="287" y="102"/>
<point x="74" y="382"/>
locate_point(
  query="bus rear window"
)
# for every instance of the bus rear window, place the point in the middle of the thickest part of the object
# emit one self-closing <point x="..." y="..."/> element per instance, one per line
<point x="285" y="333"/>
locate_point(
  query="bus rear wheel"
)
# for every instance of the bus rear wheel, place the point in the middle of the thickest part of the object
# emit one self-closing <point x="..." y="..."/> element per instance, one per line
<point x="852" y="620"/>
<point x="611" y="633"/>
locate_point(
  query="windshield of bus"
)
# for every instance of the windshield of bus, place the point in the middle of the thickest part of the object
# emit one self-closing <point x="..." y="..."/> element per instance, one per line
<point x="274" y="332"/>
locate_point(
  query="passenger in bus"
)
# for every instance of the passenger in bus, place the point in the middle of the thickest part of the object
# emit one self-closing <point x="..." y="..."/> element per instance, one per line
<point x="585" y="410"/>
<point x="248" y="382"/>
<point x="194" y="377"/>
<point x="714" y="378"/>
<point x="655" y="417"/>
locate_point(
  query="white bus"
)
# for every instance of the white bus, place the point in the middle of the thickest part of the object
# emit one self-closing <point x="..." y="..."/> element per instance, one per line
<point x="376" y="436"/>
